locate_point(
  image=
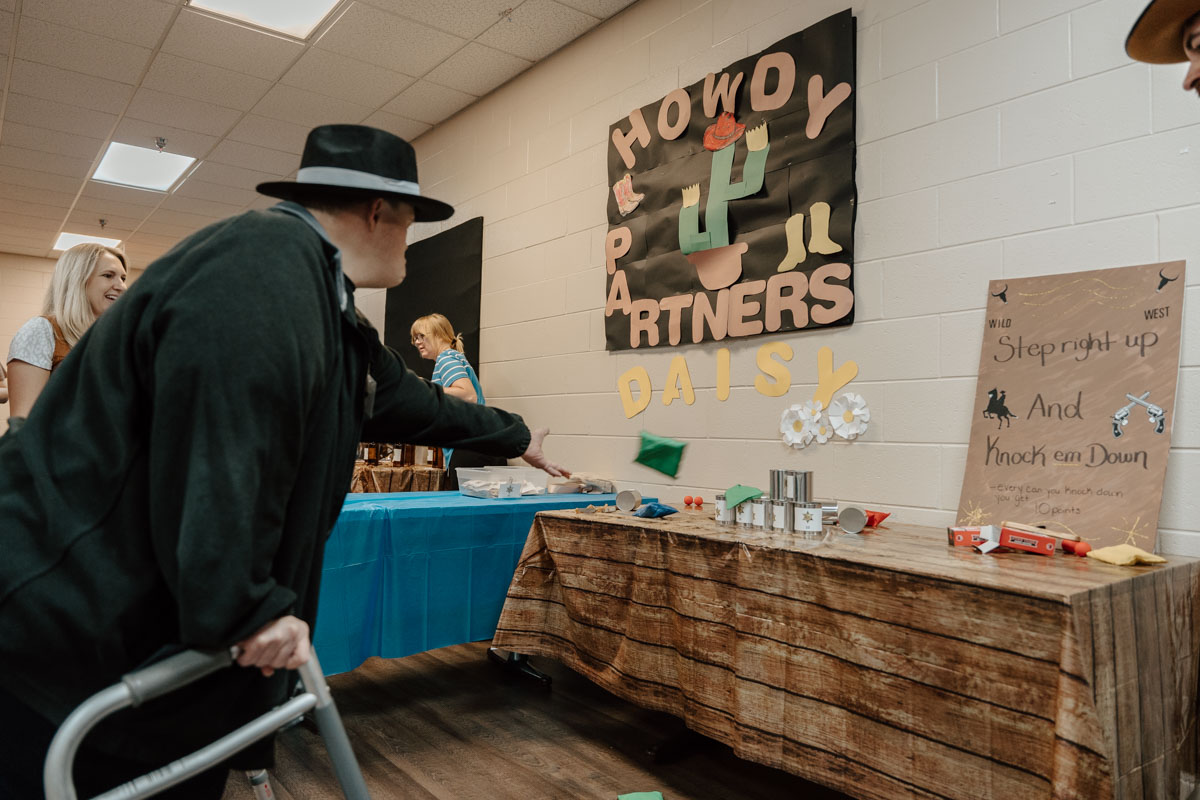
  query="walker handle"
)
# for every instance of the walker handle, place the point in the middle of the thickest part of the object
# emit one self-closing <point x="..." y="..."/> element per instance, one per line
<point x="171" y="673"/>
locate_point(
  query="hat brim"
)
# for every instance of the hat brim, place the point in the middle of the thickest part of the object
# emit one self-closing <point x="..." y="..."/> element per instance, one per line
<point x="425" y="209"/>
<point x="1157" y="36"/>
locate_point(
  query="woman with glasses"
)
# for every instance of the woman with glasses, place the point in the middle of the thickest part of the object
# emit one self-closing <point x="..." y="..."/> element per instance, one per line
<point x="435" y="339"/>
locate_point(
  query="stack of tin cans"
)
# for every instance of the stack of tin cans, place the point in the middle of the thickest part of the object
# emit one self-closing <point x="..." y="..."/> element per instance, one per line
<point x="789" y="508"/>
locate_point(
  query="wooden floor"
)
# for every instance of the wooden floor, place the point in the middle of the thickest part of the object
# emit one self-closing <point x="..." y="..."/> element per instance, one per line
<point x="449" y="724"/>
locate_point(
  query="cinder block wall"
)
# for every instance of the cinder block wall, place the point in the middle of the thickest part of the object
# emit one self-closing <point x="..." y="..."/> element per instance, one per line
<point x="997" y="138"/>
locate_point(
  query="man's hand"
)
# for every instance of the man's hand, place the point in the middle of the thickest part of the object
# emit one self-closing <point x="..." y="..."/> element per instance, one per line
<point x="281" y="644"/>
<point x="534" y="456"/>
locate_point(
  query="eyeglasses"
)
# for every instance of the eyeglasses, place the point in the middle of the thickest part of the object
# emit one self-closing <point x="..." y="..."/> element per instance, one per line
<point x="418" y="338"/>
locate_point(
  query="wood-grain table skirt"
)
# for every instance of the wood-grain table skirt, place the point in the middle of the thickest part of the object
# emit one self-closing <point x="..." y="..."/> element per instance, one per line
<point x="389" y="478"/>
<point x="886" y="665"/>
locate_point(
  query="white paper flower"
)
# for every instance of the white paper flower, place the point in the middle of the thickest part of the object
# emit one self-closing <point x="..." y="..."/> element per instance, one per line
<point x="820" y="429"/>
<point x="849" y="415"/>
<point x="816" y="426"/>
<point x="793" y="428"/>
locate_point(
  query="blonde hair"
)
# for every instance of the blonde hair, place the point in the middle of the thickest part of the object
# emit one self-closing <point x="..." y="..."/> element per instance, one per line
<point x="436" y="326"/>
<point x="66" y="301"/>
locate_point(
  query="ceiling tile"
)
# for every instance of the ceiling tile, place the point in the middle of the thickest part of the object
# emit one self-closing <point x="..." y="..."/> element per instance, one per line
<point x="226" y="175"/>
<point x="307" y="108"/>
<point x="140" y="22"/>
<point x="336" y="75"/>
<point x="204" y="82"/>
<point x="68" y="48"/>
<point x="27" y="194"/>
<point x="214" y="192"/>
<point x="477" y="69"/>
<point x="41" y="161"/>
<point x="404" y="128"/>
<point x="64" y="86"/>
<point x="194" y="205"/>
<point x="229" y="45"/>
<point x="170" y="233"/>
<point x="15" y="205"/>
<point x="16" y="223"/>
<point x="537" y="28"/>
<point x="145" y="240"/>
<point x="26" y="110"/>
<point x="428" y="102"/>
<point x="49" y="141"/>
<point x="118" y="199"/>
<point x="252" y="156"/>
<point x="114" y="227"/>
<point x="6" y="19"/>
<point x="141" y="133"/>
<point x="170" y="109"/>
<point x="465" y="18"/>
<point x="274" y="133"/>
<point x="182" y="218"/>
<point x="38" y="180"/>
<point x="598" y="8"/>
<point x="388" y="41"/>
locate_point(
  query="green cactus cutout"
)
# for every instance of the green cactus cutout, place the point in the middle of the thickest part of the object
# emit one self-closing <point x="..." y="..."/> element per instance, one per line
<point x="720" y="192"/>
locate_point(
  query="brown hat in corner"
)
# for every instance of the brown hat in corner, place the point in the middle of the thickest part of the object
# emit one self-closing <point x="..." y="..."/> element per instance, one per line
<point x="1157" y="36"/>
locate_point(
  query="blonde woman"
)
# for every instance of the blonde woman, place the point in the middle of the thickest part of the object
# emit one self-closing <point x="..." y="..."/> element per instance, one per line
<point x="435" y="339"/>
<point x="87" y="279"/>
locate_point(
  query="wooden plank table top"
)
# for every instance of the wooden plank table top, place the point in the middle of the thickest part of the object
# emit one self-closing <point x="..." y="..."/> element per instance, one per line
<point x="885" y="664"/>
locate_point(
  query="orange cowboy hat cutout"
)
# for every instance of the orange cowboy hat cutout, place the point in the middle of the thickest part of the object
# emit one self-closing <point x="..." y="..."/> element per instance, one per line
<point x="722" y="133"/>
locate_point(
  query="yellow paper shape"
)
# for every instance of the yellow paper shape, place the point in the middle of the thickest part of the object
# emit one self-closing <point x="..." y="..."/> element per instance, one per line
<point x="773" y="369"/>
<point x="679" y="379"/>
<point x="1123" y="555"/>
<point x="830" y="380"/>
<point x="625" y="383"/>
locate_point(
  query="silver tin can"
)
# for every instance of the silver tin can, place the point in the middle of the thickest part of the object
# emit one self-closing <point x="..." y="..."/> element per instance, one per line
<point x="779" y="484"/>
<point x="725" y="514"/>
<point x="799" y="486"/>
<point x="806" y="517"/>
<point x="758" y="512"/>
<point x="781" y="515"/>
<point x="743" y="515"/>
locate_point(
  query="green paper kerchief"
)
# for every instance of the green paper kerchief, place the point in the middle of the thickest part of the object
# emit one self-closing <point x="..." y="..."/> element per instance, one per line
<point x="735" y="495"/>
<point x="660" y="453"/>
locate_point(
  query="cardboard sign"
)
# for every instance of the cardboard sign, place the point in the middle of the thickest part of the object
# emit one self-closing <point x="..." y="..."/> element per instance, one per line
<point x="733" y="200"/>
<point x="1075" y="403"/>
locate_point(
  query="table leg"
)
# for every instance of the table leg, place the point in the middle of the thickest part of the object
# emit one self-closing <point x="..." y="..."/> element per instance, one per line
<point x="518" y="663"/>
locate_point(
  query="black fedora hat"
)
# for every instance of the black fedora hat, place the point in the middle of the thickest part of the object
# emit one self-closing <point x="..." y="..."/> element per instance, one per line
<point x="1157" y="36"/>
<point x="358" y="160"/>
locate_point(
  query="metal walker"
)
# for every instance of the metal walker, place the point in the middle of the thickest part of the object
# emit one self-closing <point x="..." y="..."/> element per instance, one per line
<point x="178" y="671"/>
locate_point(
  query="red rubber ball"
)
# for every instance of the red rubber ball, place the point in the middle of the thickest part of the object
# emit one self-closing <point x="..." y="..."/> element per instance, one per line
<point x="698" y="500"/>
<point x="687" y="500"/>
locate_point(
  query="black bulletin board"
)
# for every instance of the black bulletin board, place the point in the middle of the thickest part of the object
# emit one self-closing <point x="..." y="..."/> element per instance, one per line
<point x="444" y="277"/>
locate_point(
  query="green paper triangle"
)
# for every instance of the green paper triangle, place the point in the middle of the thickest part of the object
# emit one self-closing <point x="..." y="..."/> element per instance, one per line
<point x="660" y="453"/>
<point x="736" y="495"/>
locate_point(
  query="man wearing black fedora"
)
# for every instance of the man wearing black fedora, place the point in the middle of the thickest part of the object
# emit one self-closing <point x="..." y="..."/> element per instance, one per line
<point x="176" y="482"/>
<point x="1168" y="32"/>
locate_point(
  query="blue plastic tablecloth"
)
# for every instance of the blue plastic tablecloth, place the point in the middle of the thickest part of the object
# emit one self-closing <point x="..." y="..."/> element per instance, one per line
<point x="414" y="571"/>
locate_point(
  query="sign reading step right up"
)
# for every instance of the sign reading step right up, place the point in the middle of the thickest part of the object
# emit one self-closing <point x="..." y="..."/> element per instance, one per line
<point x="1075" y="403"/>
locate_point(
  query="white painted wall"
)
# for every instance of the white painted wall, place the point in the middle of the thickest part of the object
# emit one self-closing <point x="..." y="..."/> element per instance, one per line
<point x="997" y="138"/>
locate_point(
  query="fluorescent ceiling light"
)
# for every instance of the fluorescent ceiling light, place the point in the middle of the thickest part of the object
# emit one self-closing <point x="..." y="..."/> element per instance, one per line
<point x="68" y="240"/>
<point x="293" y="17"/>
<point x="142" y="167"/>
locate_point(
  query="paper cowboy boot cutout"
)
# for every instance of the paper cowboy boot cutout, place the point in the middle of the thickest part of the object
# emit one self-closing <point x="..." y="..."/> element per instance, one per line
<point x="818" y="241"/>
<point x="719" y="264"/>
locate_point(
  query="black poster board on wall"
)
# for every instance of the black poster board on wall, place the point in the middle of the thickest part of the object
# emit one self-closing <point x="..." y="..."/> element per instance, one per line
<point x="443" y="276"/>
